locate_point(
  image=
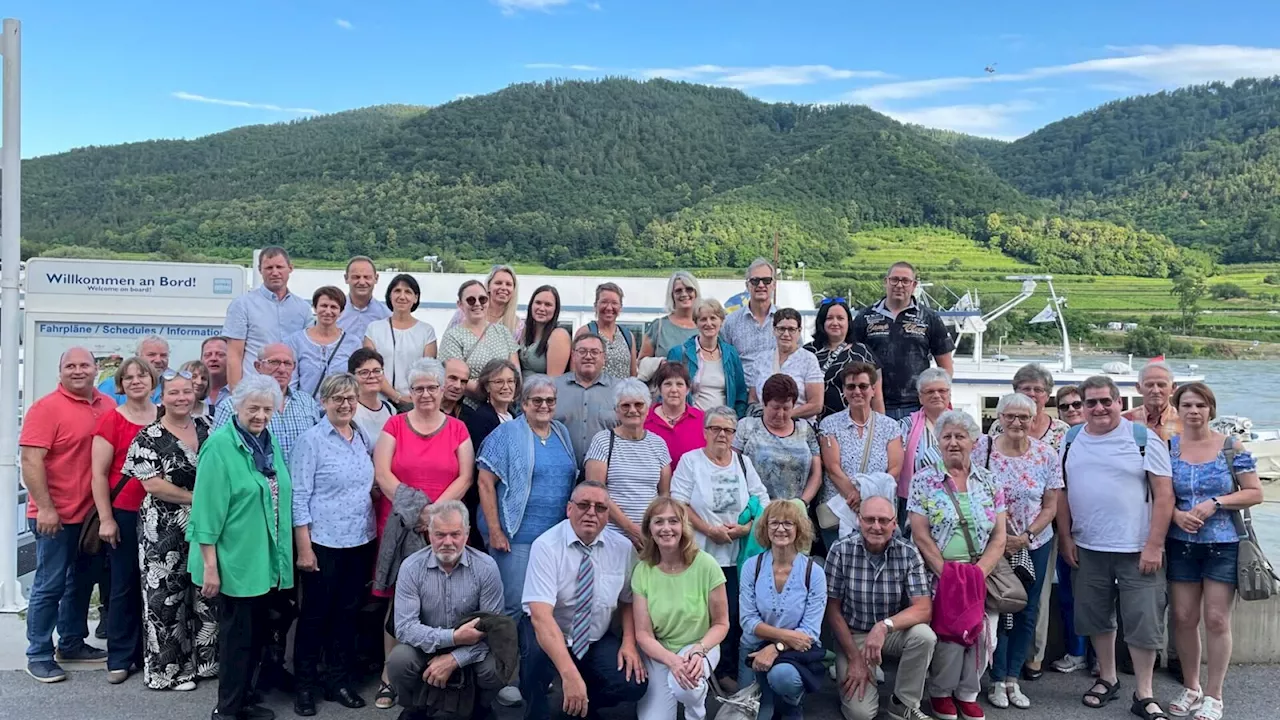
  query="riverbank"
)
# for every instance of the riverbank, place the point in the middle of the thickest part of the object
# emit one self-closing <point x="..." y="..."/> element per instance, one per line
<point x="1112" y="344"/>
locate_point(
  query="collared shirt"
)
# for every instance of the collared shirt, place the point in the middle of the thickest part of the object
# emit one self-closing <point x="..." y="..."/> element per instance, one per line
<point x="259" y="318"/>
<point x="873" y="587"/>
<point x="552" y="577"/>
<point x="584" y="409"/>
<point x="796" y="607"/>
<point x="62" y="424"/>
<point x="904" y="344"/>
<point x="356" y="320"/>
<point x="430" y="603"/>
<point x="332" y="482"/>
<point x="1166" y="426"/>
<point x="754" y="341"/>
<point x="300" y="414"/>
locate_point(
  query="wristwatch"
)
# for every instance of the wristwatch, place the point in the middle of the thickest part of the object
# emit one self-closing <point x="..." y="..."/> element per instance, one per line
<point x="1217" y="504"/>
<point x="779" y="646"/>
<point x="888" y="624"/>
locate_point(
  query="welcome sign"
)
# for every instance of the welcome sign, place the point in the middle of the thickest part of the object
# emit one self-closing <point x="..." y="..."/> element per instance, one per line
<point x="121" y="278"/>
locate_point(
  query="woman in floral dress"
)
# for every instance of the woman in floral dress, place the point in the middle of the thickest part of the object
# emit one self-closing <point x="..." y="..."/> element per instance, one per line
<point x="180" y="627"/>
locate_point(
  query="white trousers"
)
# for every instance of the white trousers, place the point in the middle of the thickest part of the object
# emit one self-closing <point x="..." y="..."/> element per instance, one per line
<point x="659" y="701"/>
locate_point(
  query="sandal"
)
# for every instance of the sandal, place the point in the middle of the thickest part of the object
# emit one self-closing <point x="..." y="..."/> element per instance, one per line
<point x="1186" y="703"/>
<point x="1210" y="709"/>
<point x="386" y="697"/>
<point x="1139" y="708"/>
<point x="1101" y="699"/>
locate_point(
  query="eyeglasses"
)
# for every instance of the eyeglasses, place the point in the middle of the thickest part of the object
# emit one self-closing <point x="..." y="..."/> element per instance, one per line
<point x="586" y="507"/>
<point x="1094" y="402"/>
<point x="424" y="389"/>
<point x="475" y="300"/>
<point x="758" y="281"/>
<point x="1032" y="390"/>
<point x="720" y="430"/>
<point x="860" y="387"/>
<point x="684" y="292"/>
<point x="273" y="364"/>
<point x="786" y="330"/>
<point x="170" y="374"/>
<point x="1016" y="419"/>
<point x="879" y="521"/>
<point x="589" y="353"/>
<point x="782" y="525"/>
<point x="503" y="382"/>
<point x="900" y="280"/>
<point x="341" y="400"/>
<point x="371" y="373"/>
<point x="1072" y="405"/>
<point x="541" y="401"/>
<point x="829" y="301"/>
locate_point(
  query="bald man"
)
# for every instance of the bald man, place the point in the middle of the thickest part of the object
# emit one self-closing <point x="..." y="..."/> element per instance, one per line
<point x="57" y="442"/>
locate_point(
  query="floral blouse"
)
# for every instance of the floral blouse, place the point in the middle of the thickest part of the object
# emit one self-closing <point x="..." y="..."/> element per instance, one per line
<point x="1053" y="435"/>
<point x="783" y="462"/>
<point x="928" y="497"/>
<point x="1024" y="480"/>
<point x="1193" y="483"/>
<point x="840" y="426"/>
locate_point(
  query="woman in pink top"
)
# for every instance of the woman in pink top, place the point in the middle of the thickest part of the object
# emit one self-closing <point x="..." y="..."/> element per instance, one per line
<point x="423" y="449"/>
<point x="673" y="419"/>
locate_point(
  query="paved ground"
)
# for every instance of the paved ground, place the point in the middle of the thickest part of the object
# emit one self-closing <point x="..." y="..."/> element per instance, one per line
<point x="1252" y="692"/>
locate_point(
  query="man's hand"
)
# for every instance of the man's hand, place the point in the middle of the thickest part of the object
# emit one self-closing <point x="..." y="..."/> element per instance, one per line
<point x="48" y="522"/>
<point x="439" y="670"/>
<point x="854" y="683"/>
<point x="109" y="531"/>
<point x="1067" y="549"/>
<point x="468" y="634"/>
<point x="874" y="643"/>
<point x="307" y="560"/>
<point x="630" y="663"/>
<point x="575" y="694"/>
<point x="762" y="660"/>
<point x="498" y="540"/>
<point x="1151" y="559"/>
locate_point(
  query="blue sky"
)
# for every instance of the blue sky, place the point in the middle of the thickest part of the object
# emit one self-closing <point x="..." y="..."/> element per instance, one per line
<point x="94" y="75"/>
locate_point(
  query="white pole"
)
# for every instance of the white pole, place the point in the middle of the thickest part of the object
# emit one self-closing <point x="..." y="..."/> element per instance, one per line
<point x="11" y="599"/>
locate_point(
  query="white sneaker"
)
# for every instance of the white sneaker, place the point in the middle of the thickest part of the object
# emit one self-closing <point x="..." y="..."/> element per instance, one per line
<point x="1069" y="663"/>
<point x="510" y="696"/>
<point x="998" y="695"/>
<point x="1016" y="698"/>
<point x="187" y="686"/>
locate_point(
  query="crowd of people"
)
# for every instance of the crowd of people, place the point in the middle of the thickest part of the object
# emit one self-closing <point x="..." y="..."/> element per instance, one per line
<point x="517" y="506"/>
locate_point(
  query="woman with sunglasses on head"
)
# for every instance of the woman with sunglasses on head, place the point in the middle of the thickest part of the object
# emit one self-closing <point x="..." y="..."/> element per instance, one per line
<point x="199" y="373"/>
<point x="791" y="359"/>
<point x="117" y="501"/>
<point x="477" y="340"/>
<point x="834" y="347"/>
<point x="619" y="348"/>
<point x="544" y="345"/>
<point x="401" y="339"/>
<point x="501" y="286"/>
<point x="678" y="325"/>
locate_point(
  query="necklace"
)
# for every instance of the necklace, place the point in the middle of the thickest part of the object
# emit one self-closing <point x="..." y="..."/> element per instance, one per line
<point x="542" y="439"/>
<point x="174" y="426"/>
<point x="710" y="351"/>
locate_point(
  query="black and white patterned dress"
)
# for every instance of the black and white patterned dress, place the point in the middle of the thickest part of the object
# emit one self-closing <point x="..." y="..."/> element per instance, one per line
<point x="180" y="627"/>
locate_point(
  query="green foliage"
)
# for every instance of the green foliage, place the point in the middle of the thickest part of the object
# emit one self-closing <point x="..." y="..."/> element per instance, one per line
<point x="1147" y="341"/>
<point x="1228" y="291"/>
<point x="1272" y="279"/>
<point x="1084" y="247"/>
<point x="1189" y="289"/>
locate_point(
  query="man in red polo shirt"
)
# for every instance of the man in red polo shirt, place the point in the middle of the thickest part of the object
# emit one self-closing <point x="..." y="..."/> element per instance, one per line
<point x="57" y="441"/>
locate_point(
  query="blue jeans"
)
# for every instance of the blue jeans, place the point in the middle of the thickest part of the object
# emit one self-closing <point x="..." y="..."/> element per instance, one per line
<point x="1075" y="644"/>
<point x="59" y="594"/>
<point x="782" y="688"/>
<point x="511" y="567"/>
<point x="1014" y="645"/>
<point x="124" y="612"/>
<point x="607" y="686"/>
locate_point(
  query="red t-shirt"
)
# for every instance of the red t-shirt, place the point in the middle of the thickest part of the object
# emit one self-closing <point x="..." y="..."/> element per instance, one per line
<point x="424" y="462"/>
<point x="63" y="424"/>
<point x="688" y="433"/>
<point x="116" y="429"/>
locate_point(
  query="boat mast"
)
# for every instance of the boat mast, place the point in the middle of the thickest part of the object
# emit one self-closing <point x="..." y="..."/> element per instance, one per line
<point x="1059" y="304"/>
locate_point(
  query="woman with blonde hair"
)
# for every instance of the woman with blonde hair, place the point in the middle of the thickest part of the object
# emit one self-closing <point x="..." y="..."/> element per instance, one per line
<point x="501" y="286"/>
<point x="678" y="325"/>
<point x="681" y="613"/>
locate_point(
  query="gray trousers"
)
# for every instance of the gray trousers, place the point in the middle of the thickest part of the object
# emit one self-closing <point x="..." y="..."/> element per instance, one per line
<point x="955" y="672"/>
<point x="406" y="664"/>
<point x="914" y="649"/>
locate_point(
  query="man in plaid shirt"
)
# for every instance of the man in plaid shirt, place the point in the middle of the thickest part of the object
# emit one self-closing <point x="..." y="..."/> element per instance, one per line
<point x="879" y="604"/>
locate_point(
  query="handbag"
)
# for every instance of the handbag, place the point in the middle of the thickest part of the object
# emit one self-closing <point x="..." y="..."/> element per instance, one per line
<point x="742" y="705"/>
<point x="1005" y="591"/>
<point x="1255" y="577"/>
<point x="828" y="519"/>
<point x="90" y="541"/>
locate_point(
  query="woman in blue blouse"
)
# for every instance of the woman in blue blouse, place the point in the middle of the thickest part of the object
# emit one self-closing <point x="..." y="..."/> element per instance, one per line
<point x="1203" y="543"/>
<point x="780" y="627"/>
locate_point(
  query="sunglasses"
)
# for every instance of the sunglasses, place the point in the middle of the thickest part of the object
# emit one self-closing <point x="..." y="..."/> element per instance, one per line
<point x="475" y="300"/>
<point x="541" y="401"/>
<point x="1094" y="402"/>
<point x="830" y="301"/>
<point x="1072" y="405"/>
<point x="586" y="507"/>
<point x="171" y="374"/>
<point x="757" y="282"/>
<point x="858" y="386"/>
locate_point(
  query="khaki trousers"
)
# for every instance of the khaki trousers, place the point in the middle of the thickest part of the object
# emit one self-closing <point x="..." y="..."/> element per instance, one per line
<point x="914" y="649"/>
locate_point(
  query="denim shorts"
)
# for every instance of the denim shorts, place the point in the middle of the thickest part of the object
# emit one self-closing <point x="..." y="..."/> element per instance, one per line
<point x="1194" y="562"/>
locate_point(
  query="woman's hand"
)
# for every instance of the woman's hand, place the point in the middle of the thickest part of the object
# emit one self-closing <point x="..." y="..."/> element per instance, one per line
<point x="637" y="540"/>
<point x="737" y="532"/>
<point x="498" y="540"/>
<point x="1187" y="521"/>
<point x="1203" y="511"/>
<point x="762" y="659"/>
<point x="854" y="499"/>
<point x="109" y="531"/>
<point x="797" y="640"/>
<point x="1014" y="543"/>
<point x="695" y="664"/>
<point x="719" y="534"/>
<point x="212" y="583"/>
<point x="679" y="668"/>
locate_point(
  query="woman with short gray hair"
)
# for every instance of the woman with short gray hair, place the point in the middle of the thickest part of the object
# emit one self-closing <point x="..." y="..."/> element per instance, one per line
<point x="920" y="433"/>
<point x="1036" y="382"/>
<point x="957" y="516"/>
<point x="1030" y="475"/>
<point x="633" y="463"/>
<point x="677" y="326"/>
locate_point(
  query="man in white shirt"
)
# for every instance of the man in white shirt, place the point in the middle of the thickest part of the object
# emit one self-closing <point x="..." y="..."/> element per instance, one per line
<point x="361" y="277"/>
<point x="578" y="574"/>
<point x="1112" y="529"/>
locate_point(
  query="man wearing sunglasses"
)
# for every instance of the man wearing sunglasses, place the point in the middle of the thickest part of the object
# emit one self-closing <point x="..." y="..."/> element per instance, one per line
<point x="905" y="336"/>
<point x="749" y="329"/>
<point x="1112" y="530"/>
<point x="578" y="575"/>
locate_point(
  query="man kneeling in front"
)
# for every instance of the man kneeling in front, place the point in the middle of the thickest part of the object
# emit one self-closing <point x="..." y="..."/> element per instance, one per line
<point x="447" y="595"/>
<point x="879" y="604"/>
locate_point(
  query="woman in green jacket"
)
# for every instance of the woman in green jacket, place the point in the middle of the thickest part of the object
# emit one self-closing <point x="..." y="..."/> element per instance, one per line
<point x="241" y="535"/>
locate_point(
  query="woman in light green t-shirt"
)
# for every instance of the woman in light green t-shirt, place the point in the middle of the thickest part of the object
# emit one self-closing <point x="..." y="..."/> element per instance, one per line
<point x="681" y="613"/>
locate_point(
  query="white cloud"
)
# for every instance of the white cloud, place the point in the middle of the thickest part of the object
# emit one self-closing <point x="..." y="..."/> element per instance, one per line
<point x="344" y="24"/>
<point x="737" y="77"/>
<point x="992" y="120"/>
<point x="511" y="7"/>
<point x="242" y="104"/>
<point x="594" y="6"/>
<point x="1156" y="66"/>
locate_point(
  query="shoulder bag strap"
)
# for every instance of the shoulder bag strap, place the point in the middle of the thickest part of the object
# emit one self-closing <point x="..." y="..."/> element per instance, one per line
<point x="115" y="491"/>
<point x="759" y="563"/>
<point x="866" y="446"/>
<point x="608" y="460"/>
<point x="808" y="573"/>
<point x="964" y="524"/>
<point x="1241" y="519"/>
<point x="327" y="362"/>
<point x="991" y="442"/>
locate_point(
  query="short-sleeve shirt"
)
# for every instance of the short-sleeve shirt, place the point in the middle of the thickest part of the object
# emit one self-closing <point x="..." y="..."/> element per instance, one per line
<point x="371" y="422"/>
<point x="316" y="361"/>
<point x="832" y="362"/>
<point x="783" y="462"/>
<point x="428" y="463"/>
<point x="664" y="335"/>
<point x="679" y="605"/>
<point x="584" y="409"/>
<point x="400" y="349"/>
<point x="871" y="589"/>
<point x="116" y="429"/>
<point x="801" y="365"/>
<point x="852" y="442"/>
<point x="1106" y="480"/>
<point x="686" y="435"/>
<point x="755" y="342"/>
<point x="63" y="424"/>
<point x="259" y="318"/>
<point x="1024" y="479"/>
<point x="552" y="577"/>
<point x="495" y="343"/>
<point x="905" y="345"/>
<point x="633" y="471"/>
<point x="983" y="500"/>
<point x="1193" y="483"/>
<point x="356" y="320"/>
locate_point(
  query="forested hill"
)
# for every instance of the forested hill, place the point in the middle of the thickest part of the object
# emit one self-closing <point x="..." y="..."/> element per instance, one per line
<point x="1200" y="165"/>
<point x="573" y="174"/>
